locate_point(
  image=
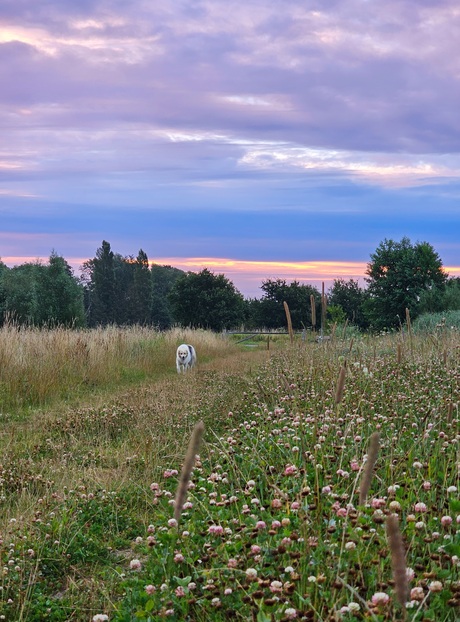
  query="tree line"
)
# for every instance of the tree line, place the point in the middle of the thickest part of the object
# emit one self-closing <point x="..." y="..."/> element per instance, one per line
<point x="126" y="290"/>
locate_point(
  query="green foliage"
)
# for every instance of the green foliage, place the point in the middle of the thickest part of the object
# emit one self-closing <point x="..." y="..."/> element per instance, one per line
<point x="43" y="295"/>
<point x="433" y="323"/>
<point x="268" y="312"/>
<point x="350" y="297"/>
<point x="206" y="300"/>
<point x="118" y="289"/>
<point x="398" y="273"/>
<point x="445" y="297"/>
<point x="163" y="279"/>
<point x="99" y="274"/>
<point x="142" y="290"/>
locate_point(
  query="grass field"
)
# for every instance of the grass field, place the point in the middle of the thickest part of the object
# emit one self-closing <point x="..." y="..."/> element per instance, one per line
<point x="307" y="450"/>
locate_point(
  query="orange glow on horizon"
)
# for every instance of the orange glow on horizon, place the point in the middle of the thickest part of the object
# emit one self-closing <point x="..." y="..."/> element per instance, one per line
<point x="248" y="275"/>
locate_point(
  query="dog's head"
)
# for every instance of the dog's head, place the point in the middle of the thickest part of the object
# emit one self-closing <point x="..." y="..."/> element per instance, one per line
<point x="182" y="353"/>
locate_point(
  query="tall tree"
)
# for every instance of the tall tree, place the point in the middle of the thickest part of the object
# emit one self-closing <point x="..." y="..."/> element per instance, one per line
<point x="163" y="279"/>
<point x="99" y="274"/>
<point x="206" y="300"/>
<point x="350" y="297"/>
<point x="397" y="275"/>
<point x="20" y="286"/>
<point x="60" y="294"/>
<point x="142" y="289"/>
<point x="269" y="311"/>
<point x="3" y="271"/>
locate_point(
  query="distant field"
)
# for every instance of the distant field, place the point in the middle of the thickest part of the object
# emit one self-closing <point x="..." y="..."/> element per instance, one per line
<point x="286" y="512"/>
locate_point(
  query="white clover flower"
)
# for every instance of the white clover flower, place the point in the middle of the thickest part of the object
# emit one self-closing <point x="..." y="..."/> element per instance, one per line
<point x="353" y="607"/>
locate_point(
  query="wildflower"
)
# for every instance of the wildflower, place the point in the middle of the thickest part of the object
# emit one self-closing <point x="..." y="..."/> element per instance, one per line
<point x="172" y="522"/>
<point x="255" y="549"/>
<point x="285" y="522"/>
<point x="179" y="591"/>
<point x="100" y="617"/>
<point x="435" y="586"/>
<point x="417" y="593"/>
<point x="350" y="546"/>
<point x="169" y="473"/>
<point x="261" y="524"/>
<point x="232" y="563"/>
<point x="380" y="598"/>
<point x="452" y="489"/>
<point x="311" y="579"/>
<point x="290" y="469"/>
<point x="353" y="607"/>
<point x="446" y="521"/>
<point x="178" y="557"/>
<point x="295" y="505"/>
<point x="417" y="465"/>
<point x="251" y="573"/>
<point x="420" y="507"/>
<point x="290" y="613"/>
<point x="135" y="564"/>
<point x="276" y="586"/>
<point x="410" y="574"/>
<point x="378" y="503"/>
<point x="276" y="503"/>
<point x="228" y="591"/>
<point x="426" y="485"/>
<point x="150" y="589"/>
<point x="216" y="530"/>
<point x="276" y="524"/>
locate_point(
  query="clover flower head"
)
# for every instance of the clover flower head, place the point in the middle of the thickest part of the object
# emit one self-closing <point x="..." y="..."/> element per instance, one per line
<point x="380" y="598"/>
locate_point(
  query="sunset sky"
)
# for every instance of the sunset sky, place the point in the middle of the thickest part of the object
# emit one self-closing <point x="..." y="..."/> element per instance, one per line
<point x="258" y="138"/>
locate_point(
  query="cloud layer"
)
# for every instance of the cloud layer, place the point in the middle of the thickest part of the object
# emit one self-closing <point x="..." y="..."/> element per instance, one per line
<point x="199" y="128"/>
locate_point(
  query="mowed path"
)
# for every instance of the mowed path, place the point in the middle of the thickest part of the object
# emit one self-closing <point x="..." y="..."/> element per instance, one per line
<point x="123" y="437"/>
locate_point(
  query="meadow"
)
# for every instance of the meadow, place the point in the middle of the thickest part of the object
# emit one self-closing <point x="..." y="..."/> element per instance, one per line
<point x="324" y="487"/>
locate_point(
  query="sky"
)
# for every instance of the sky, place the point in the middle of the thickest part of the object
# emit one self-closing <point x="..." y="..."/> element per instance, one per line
<point x="260" y="139"/>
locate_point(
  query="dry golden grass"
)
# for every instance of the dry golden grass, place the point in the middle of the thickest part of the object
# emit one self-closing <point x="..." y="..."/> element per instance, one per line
<point x="112" y="434"/>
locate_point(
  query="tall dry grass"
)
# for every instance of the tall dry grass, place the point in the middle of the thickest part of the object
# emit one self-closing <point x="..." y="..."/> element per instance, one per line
<point x="39" y="365"/>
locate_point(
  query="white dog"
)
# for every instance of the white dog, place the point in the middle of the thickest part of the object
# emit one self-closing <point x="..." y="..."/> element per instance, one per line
<point x="185" y="358"/>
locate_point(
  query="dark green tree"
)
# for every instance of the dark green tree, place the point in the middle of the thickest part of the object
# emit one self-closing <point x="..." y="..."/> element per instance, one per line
<point x="142" y="289"/>
<point x="397" y="275"/>
<point x="125" y="312"/>
<point x="445" y="297"/>
<point x="350" y="297"/>
<point x="3" y="271"/>
<point x="206" y="300"/>
<point x="60" y="295"/>
<point x="99" y="278"/>
<point x="269" y="311"/>
<point x="44" y="295"/>
<point x="163" y="279"/>
<point x="20" y="285"/>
